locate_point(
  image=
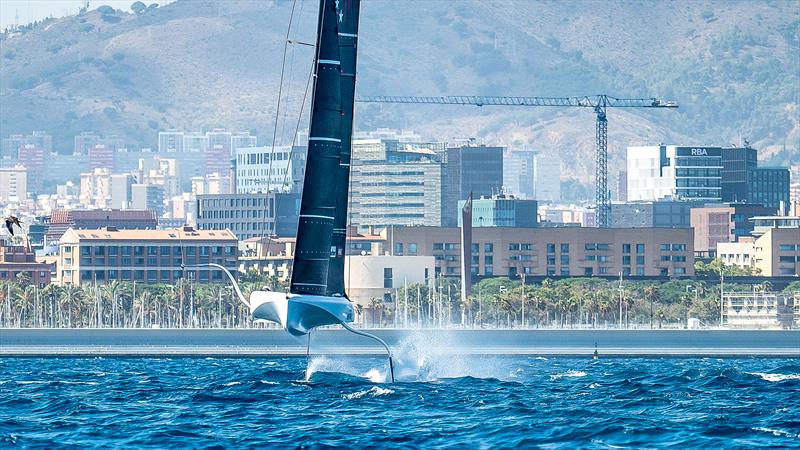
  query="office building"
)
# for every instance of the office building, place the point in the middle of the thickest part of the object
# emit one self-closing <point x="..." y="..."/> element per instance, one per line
<point x="622" y="187"/>
<point x="502" y="211"/>
<point x="554" y="251"/>
<point x="715" y="223"/>
<point x="145" y="256"/>
<point x="250" y="215"/>
<point x="518" y="178"/>
<point x="737" y="162"/>
<point x="220" y="139"/>
<point x="547" y="178"/>
<point x="658" y="214"/>
<point x="262" y="169"/>
<point x="61" y="220"/>
<point x="379" y="276"/>
<point x="242" y="140"/>
<point x="469" y="169"/>
<point x="13" y="184"/>
<point x="396" y="193"/>
<point x="669" y="171"/>
<point x="769" y="186"/>
<point x="195" y="142"/>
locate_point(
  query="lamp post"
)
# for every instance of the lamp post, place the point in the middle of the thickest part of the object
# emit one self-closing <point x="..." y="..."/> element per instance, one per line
<point x="721" y="294"/>
<point x="620" y="300"/>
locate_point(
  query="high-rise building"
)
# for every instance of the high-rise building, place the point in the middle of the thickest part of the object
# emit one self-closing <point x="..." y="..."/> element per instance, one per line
<point x="32" y="158"/>
<point x="170" y="141"/>
<point x="736" y="163"/>
<point x="262" y="169"/>
<point x="96" y="188"/>
<point x="121" y="190"/>
<point x="396" y="193"/>
<point x="242" y="140"/>
<point x="669" y="171"/>
<point x="659" y="214"/>
<point x="518" y="173"/>
<point x="622" y="186"/>
<point x="502" y="211"/>
<point x="195" y="142"/>
<point x="217" y="160"/>
<point x="148" y="196"/>
<point x="13" y="183"/>
<point x="11" y="144"/>
<point x="469" y="169"/>
<point x="218" y="137"/>
<point x="769" y="186"/>
<point x="547" y="178"/>
<point x="101" y="156"/>
<point x="85" y="141"/>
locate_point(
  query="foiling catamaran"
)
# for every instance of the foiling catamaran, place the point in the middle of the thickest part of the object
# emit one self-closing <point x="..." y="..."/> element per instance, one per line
<point x="317" y="294"/>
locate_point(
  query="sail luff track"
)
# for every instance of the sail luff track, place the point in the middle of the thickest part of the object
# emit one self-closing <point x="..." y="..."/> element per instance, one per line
<point x="348" y="39"/>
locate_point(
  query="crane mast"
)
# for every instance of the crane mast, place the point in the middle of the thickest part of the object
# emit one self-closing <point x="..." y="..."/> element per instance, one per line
<point x="599" y="103"/>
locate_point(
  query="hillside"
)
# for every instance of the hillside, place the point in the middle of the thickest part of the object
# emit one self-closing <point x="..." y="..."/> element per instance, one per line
<point x="733" y="66"/>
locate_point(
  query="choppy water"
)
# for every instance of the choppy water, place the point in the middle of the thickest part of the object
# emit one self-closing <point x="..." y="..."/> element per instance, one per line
<point x="439" y="402"/>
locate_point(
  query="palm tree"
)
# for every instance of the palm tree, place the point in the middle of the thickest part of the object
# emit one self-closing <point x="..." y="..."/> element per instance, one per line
<point x="376" y="305"/>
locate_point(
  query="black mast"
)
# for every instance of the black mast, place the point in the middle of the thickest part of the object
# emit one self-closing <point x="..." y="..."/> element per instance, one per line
<point x="318" y="207"/>
<point x="348" y="38"/>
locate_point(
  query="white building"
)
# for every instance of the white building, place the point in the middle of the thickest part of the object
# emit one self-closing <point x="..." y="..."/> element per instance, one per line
<point x="170" y="141"/>
<point x="96" y="188"/>
<point x="13" y="183"/>
<point x="375" y="276"/>
<point x="260" y="169"/>
<point x="547" y="178"/>
<point x="195" y="142"/>
<point x="669" y="171"/>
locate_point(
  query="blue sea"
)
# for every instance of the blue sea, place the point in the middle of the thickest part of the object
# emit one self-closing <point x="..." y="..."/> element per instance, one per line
<point x="438" y="402"/>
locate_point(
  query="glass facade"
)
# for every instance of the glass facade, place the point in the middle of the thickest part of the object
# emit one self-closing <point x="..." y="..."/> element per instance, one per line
<point x="768" y="186"/>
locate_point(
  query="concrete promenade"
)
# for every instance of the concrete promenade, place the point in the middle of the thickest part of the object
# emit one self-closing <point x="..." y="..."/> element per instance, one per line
<point x="264" y="343"/>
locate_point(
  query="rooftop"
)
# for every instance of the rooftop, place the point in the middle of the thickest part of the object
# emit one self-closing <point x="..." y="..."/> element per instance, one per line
<point x="180" y="234"/>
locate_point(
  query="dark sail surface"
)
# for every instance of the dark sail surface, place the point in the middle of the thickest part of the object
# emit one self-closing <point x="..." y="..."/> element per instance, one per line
<point x="348" y="49"/>
<point x="318" y="207"/>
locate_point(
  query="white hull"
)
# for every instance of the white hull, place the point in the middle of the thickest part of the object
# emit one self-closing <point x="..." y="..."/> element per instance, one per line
<point x="299" y="314"/>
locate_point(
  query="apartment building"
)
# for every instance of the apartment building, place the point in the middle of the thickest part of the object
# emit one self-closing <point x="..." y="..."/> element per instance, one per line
<point x="145" y="256"/>
<point x="553" y="251"/>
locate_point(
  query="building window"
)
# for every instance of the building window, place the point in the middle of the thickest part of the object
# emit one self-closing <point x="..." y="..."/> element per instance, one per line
<point x="640" y="271"/>
<point x="626" y="248"/>
<point x="564" y="259"/>
<point x="680" y="271"/>
<point x="604" y="246"/>
<point x="640" y="260"/>
<point x="589" y="247"/>
<point x="565" y="271"/>
<point x="86" y="251"/>
<point x="590" y="257"/>
<point x="152" y="250"/>
<point x="476" y="248"/>
<point x="551" y="248"/>
<point x="513" y="247"/>
<point x="679" y="258"/>
<point x="488" y="271"/>
<point x="664" y="247"/>
<point x="626" y="271"/>
<point x="551" y="260"/>
<point x="398" y="248"/>
<point x="588" y="271"/>
<point x="488" y="260"/>
<point x="164" y="250"/>
<point x="639" y="248"/>
<point x="526" y="246"/>
<point x="438" y="246"/>
<point x="450" y="246"/>
<point x="488" y="247"/>
<point x="665" y="258"/>
<point x="664" y="272"/>
<point x="564" y="248"/>
<point x="786" y="247"/>
<point x="113" y="250"/>
<point x="603" y="270"/>
<point x="626" y="260"/>
<point x="678" y="247"/>
<point x="412" y="248"/>
<point x="387" y="278"/>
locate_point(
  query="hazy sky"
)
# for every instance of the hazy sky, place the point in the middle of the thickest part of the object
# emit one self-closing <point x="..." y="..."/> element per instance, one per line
<point x="30" y="10"/>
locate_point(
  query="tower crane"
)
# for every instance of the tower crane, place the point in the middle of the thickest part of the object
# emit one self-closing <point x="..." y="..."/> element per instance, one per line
<point x="599" y="103"/>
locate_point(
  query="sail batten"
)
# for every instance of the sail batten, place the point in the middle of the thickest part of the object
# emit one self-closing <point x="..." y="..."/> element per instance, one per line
<point x="348" y="11"/>
<point x="318" y="206"/>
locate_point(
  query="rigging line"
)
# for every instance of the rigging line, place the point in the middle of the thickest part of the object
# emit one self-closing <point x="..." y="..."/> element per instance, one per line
<point x="277" y="118"/>
<point x="311" y="75"/>
<point x="291" y="70"/>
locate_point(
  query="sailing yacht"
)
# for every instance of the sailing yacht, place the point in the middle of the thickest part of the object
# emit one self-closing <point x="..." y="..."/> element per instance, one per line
<point x="317" y="295"/>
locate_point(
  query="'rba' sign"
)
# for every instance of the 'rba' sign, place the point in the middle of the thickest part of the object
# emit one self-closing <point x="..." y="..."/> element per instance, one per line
<point x="699" y="151"/>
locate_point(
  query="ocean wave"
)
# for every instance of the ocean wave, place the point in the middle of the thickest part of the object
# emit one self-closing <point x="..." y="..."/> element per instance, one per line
<point x="775" y="377"/>
<point x="568" y="374"/>
<point x="374" y="391"/>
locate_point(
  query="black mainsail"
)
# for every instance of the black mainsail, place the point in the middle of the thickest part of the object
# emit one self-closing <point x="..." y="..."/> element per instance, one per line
<point x="348" y="39"/>
<point x="318" y="206"/>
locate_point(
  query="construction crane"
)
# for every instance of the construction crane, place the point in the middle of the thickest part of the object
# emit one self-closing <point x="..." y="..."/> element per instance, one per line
<point x="599" y="103"/>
